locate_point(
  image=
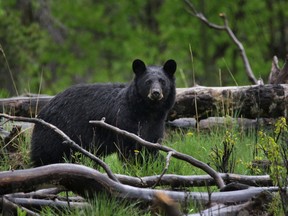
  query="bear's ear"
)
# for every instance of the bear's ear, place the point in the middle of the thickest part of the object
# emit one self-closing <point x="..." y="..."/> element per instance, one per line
<point x="138" y="66"/>
<point x="170" y="67"/>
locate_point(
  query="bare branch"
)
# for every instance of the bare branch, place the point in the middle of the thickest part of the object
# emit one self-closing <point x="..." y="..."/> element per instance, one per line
<point x="67" y="141"/>
<point x="175" y="154"/>
<point x="14" y="202"/>
<point x="194" y="181"/>
<point x="168" y="158"/>
<point x="10" y="208"/>
<point x="231" y="34"/>
<point x="200" y="16"/>
<point x="275" y="70"/>
<point x="283" y="74"/>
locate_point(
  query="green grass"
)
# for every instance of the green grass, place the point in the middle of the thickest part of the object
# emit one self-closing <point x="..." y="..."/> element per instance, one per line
<point x="18" y="159"/>
<point x="102" y="205"/>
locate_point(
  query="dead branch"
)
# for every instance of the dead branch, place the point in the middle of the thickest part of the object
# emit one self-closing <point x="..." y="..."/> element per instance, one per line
<point x="67" y="141"/>
<point x="11" y="208"/>
<point x="11" y="203"/>
<point x="39" y="199"/>
<point x="88" y="182"/>
<point x="180" y="181"/>
<point x="256" y="206"/>
<point x="39" y="203"/>
<point x="275" y="70"/>
<point x="168" y="158"/>
<point x="278" y="75"/>
<point x="230" y="33"/>
<point x="158" y="146"/>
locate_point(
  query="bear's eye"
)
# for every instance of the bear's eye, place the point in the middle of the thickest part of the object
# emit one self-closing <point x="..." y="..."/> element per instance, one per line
<point x="162" y="81"/>
<point x="148" y="82"/>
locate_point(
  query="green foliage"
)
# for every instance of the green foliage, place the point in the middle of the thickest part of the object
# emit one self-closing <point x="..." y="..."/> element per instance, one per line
<point x="50" y="45"/>
<point x="223" y="156"/>
<point x="22" y="45"/>
<point x="21" y="212"/>
<point x="102" y="205"/>
<point x="274" y="149"/>
<point x="14" y="150"/>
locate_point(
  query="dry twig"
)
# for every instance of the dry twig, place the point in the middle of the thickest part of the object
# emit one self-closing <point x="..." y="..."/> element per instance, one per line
<point x="168" y="157"/>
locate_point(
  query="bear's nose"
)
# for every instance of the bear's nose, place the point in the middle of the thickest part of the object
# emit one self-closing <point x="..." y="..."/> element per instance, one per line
<point x="156" y="94"/>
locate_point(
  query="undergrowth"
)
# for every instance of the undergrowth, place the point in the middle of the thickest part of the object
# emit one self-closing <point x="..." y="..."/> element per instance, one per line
<point x="226" y="149"/>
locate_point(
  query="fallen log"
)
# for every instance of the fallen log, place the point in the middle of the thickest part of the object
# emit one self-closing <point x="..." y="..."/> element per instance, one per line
<point x="24" y="106"/>
<point x="256" y="101"/>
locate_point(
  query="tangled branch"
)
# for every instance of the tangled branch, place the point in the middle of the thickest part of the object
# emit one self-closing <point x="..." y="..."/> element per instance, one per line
<point x="157" y="146"/>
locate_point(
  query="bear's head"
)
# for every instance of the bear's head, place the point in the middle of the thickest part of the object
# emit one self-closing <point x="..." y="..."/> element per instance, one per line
<point x="155" y="84"/>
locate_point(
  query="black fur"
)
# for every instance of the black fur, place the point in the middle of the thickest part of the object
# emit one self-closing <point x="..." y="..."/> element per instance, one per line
<point x="140" y="107"/>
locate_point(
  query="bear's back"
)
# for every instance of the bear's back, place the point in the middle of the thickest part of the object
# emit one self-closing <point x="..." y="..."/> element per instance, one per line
<point x="80" y="98"/>
<point x="71" y="111"/>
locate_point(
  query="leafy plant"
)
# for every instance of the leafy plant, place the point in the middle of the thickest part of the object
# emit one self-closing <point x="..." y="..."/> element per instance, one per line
<point x="274" y="149"/>
<point x="223" y="155"/>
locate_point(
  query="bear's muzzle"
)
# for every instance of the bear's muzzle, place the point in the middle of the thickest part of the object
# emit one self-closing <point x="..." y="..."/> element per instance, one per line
<point x="155" y="94"/>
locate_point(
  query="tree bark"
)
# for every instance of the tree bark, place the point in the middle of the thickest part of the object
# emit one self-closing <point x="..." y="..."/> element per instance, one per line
<point x="256" y="101"/>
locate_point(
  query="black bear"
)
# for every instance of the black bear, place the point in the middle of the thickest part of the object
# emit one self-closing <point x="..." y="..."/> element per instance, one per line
<point x="139" y="107"/>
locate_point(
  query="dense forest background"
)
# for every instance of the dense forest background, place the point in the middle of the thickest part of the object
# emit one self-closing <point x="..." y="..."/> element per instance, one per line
<point x="48" y="45"/>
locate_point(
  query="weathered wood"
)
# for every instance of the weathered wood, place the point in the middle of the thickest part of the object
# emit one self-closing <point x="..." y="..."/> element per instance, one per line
<point x="180" y="181"/>
<point x="257" y="101"/>
<point x="277" y="75"/>
<point x="24" y="106"/>
<point x="256" y="206"/>
<point x="265" y="101"/>
<point x="88" y="182"/>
